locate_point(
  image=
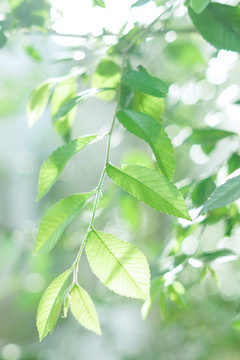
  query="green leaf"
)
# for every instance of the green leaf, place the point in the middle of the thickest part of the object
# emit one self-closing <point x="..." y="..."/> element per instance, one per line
<point x="38" y="101"/>
<point x="162" y="304"/>
<point x="199" y="5"/>
<point x="77" y="99"/>
<point x="99" y="3"/>
<point x="219" y="24"/>
<point x="223" y="195"/>
<point x="3" y="39"/>
<point x="210" y="256"/>
<point x="208" y="137"/>
<point x="151" y="187"/>
<point x="152" y="132"/>
<point x="63" y="92"/>
<point x="54" y="165"/>
<point x="140" y="3"/>
<point x="107" y="75"/>
<point x="145" y="83"/>
<point x="176" y="292"/>
<point x="233" y="163"/>
<point x="149" y="105"/>
<point x="119" y="265"/>
<point x="66" y="304"/>
<point x="202" y="191"/>
<point x="33" y="53"/>
<point x="83" y="309"/>
<point x="50" y="304"/>
<point x="130" y="210"/>
<point x="132" y="37"/>
<point x="55" y="221"/>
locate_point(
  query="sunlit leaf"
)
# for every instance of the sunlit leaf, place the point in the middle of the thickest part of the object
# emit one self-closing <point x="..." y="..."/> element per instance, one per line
<point x="50" y="305"/>
<point x="140" y="3"/>
<point x="54" y="165"/>
<point x="199" y="5"/>
<point x="83" y="309"/>
<point x="233" y="163"/>
<point x="33" y="52"/>
<point x="38" y="101"/>
<point x="219" y="24"/>
<point x="223" y="195"/>
<point x="99" y="3"/>
<point x="149" y="105"/>
<point x="145" y="83"/>
<point x="151" y="187"/>
<point x="119" y="265"/>
<point x="202" y="191"/>
<point x="208" y="137"/>
<point x="152" y="132"/>
<point x="107" y="75"/>
<point x="56" y="219"/>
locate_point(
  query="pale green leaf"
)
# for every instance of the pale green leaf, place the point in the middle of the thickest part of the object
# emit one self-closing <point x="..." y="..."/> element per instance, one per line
<point x="151" y="187"/>
<point x="54" y="165"/>
<point x="223" y="195"/>
<point x="107" y="75"/>
<point x="63" y="92"/>
<point x="140" y="3"/>
<point x="149" y="105"/>
<point x="38" y="101"/>
<point x="219" y="24"/>
<point x="3" y="39"/>
<point x="50" y="304"/>
<point x="99" y="3"/>
<point x="33" y="52"/>
<point x="199" y="5"/>
<point x="55" y="221"/>
<point x="152" y="132"/>
<point x="119" y="265"/>
<point x="83" y="309"/>
<point x="145" y="83"/>
<point x="77" y="99"/>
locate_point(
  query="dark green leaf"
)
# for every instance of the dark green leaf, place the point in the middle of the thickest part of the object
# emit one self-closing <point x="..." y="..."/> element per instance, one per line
<point x="202" y="191"/>
<point x="208" y="137"/>
<point x="219" y="24"/>
<point x="152" y="132"/>
<point x="210" y="256"/>
<point x="233" y="163"/>
<point x="145" y="83"/>
<point x="151" y="187"/>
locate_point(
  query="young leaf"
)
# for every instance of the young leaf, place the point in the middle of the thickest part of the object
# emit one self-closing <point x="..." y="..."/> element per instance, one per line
<point x="151" y="187"/>
<point x="152" y="132"/>
<point x="76" y="100"/>
<point x="145" y="83"/>
<point x="83" y="309"/>
<point x="199" y="5"/>
<point x="119" y="265"/>
<point x="63" y="92"/>
<point x="55" y="221"/>
<point x="149" y="105"/>
<point x="33" y="53"/>
<point x="223" y="195"/>
<point x="38" y="101"/>
<point x="107" y="75"/>
<point x="219" y="24"/>
<point x="98" y="3"/>
<point x="54" y="165"/>
<point x="50" y="304"/>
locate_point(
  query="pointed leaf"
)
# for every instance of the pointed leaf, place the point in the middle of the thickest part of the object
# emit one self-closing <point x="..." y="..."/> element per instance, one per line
<point x="208" y="137"/>
<point x="151" y="187"/>
<point x="219" y="24"/>
<point x="152" y="132"/>
<point x="199" y="5"/>
<point x="223" y="195"/>
<point x="145" y="83"/>
<point x="76" y="100"/>
<point x="119" y="265"/>
<point x="55" y="221"/>
<point x="50" y="304"/>
<point x="210" y="256"/>
<point x="149" y="105"/>
<point x="38" y="101"/>
<point x="53" y="167"/>
<point x="83" y="309"/>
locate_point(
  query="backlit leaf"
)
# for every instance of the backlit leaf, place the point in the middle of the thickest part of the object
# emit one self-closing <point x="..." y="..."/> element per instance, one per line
<point x="54" y="165"/>
<point x="119" y="265"/>
<point x="223" y="195"/>
<point x="107" y="75"/>
<point x="56" y="219"/>
<point x="152" y="132"/>
<point x="219" y="24"/>
<point x="151" y="187"/>
<point x="83" y="309"/>
<point x="149" y="105"/>
<point x="50" y="304"/>
<point x="199" y="5"/>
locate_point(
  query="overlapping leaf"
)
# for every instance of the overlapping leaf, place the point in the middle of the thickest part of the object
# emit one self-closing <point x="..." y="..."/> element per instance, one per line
<point x="219" y="24"/>
<point x="149" y="105"/>
<point x="50" y="305"/>
<point x="151" y="187"/>
<point x="54" y="165"/>
<point x="223" y="195"/>
<point x="152" y="132"/>
<point x="55" y="221"/>
<point x="107" y="75"/>
<point x="83" y="309"/>
<point x="118" y="264"/>
<point x="199" y="5"/>
<point x="145" y="83"/>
